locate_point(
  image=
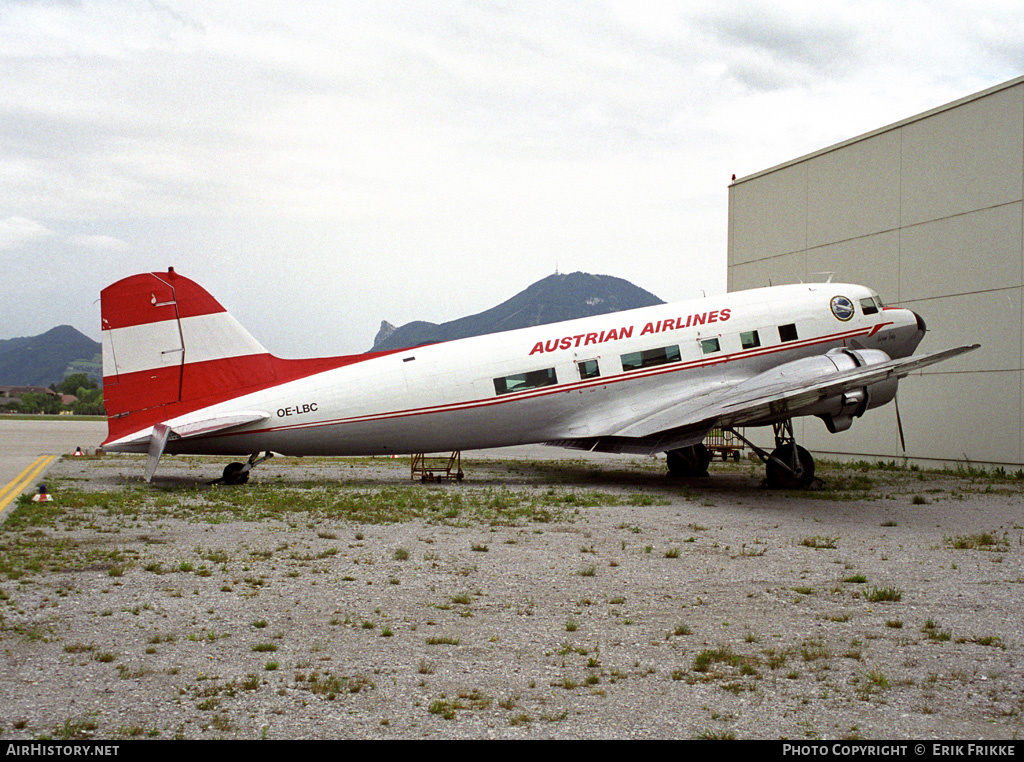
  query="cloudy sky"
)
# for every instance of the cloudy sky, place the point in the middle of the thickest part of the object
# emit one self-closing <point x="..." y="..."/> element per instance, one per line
<point x="321" y="166"/>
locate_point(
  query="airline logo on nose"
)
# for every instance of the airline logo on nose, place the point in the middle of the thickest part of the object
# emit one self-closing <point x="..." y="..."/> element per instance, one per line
<point x="842" y="308"/>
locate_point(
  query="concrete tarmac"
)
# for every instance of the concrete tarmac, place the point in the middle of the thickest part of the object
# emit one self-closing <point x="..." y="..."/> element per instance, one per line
<point x="22" y="442"/>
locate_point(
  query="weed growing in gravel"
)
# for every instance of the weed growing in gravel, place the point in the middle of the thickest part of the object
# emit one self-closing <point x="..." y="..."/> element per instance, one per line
<point x="813" y="649"/>
<point x="872" y="682"/>
<point x="984" y="640"/>
<point x="982" y="541"/>
<point x="716" y="735"/>
<point x="442" y="640"/>
<point x="932" y="631"/>
<point x="497" y="506"/>
<point x="71" y="730"/>
<point x="329" y="686"/>
<point x="883" y="594"/>
<point x="820" y="542"/>
<point x="445" y="708"/>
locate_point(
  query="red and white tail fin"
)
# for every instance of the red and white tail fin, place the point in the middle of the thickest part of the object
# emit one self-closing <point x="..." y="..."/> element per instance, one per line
<point x="169" y="348"/>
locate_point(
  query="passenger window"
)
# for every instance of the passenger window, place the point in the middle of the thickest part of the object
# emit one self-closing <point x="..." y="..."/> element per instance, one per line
<point x="521" y="382"/>
<point x="588" y="369"/>
<point x="750" y="339"/>
<point x="710" y="345"/>
<point x="868" y="306"/>
<point x="650" y="357"/>
<point x="787" y="332"/>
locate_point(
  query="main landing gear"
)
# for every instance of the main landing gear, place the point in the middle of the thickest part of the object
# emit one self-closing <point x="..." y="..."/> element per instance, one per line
<point x="238" y="473"/>
<point x="789" y="466"/>
<point x="688" y="462"/>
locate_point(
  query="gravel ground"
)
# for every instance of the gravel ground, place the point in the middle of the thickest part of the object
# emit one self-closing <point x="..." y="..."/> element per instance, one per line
<point x="546" y="596"/>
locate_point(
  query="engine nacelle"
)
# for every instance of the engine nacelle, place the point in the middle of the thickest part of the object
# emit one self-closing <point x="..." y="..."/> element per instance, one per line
<point x="839" y="411"/>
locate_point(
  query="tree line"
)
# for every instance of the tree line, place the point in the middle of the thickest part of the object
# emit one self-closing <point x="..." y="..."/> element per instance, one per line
<point x="88" y="392"/>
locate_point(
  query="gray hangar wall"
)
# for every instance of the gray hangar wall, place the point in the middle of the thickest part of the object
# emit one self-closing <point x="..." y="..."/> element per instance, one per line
<point x="929" y="212"/>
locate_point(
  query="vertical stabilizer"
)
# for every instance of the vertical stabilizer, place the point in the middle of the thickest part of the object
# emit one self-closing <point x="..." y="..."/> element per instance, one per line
<point x="168" y="348"/>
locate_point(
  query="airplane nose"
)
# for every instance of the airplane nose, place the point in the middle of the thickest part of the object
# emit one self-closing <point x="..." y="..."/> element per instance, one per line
<point x="913" y="336"/>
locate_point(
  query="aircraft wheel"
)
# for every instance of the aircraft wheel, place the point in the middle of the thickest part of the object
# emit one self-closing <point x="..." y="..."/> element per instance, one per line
<point x="233" y="474"/>
<point x="802" y="474"/>
<point x="689" y="461"/>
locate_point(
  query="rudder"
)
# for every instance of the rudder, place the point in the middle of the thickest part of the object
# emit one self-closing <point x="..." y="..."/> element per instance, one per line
<point x="169" y="347"/>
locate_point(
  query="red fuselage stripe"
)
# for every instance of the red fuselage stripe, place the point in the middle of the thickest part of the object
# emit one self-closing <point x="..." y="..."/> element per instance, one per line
<point x="675" y="367"/>
<point x="232" y="377"/>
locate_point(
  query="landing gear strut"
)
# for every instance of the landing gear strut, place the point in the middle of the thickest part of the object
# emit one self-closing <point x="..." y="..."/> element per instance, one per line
<point x="689" y="461"/>
<point x="238" y="473"/>
<point x="789" y="466"/>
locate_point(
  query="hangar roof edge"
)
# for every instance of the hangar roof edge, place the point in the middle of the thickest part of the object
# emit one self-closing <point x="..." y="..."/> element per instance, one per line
<point x="887" y="128"/>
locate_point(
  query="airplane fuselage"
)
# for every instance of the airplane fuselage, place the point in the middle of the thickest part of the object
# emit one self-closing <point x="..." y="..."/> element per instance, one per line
<point x="562" y="382"/>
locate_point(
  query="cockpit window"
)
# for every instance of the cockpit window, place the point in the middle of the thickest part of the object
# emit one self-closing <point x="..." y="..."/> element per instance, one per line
<point x="868" y="306"/>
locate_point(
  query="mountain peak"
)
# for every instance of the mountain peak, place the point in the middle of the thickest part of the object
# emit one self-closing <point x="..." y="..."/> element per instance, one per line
<point x="561" y="296"/>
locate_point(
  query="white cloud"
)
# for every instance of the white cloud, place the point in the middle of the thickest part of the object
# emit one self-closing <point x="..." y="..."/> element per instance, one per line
<point x="100" y="243"/>
<point x="18" y="232"/>
<point x="265" y="146"/>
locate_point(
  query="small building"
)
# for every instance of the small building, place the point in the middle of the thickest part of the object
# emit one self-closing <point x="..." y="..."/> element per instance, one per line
<point x="15" y="392"/>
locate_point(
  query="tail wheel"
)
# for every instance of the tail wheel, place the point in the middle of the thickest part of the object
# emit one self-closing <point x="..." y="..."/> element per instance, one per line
<point x="689" y="461"/>
<point x="235" y="473"/>
<point x="800" y="471"/>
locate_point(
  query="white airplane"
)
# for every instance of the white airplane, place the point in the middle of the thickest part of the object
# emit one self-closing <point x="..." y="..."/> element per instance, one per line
<point x="183" y="376"/>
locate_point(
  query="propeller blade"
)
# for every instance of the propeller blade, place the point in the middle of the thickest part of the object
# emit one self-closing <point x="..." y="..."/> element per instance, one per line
<point x="899" y="424"/>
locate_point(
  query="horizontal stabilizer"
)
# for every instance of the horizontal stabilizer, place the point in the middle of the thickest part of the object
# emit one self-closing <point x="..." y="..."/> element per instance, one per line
<point x="157" y="438"/>
<point x="217" y="423"/>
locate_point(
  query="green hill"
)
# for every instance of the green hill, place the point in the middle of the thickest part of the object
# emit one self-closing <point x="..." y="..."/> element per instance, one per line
<point x="45" y="359"/>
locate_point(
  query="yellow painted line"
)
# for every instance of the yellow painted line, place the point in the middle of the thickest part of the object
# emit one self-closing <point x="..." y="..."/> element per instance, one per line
<point x="18" y="484"/>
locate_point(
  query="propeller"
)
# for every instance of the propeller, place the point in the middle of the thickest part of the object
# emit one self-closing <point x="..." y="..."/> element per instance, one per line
<point x="899" y="424"/>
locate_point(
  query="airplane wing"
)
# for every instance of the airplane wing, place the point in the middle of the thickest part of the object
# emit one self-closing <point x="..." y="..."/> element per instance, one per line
<point x="754" y="401"/>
